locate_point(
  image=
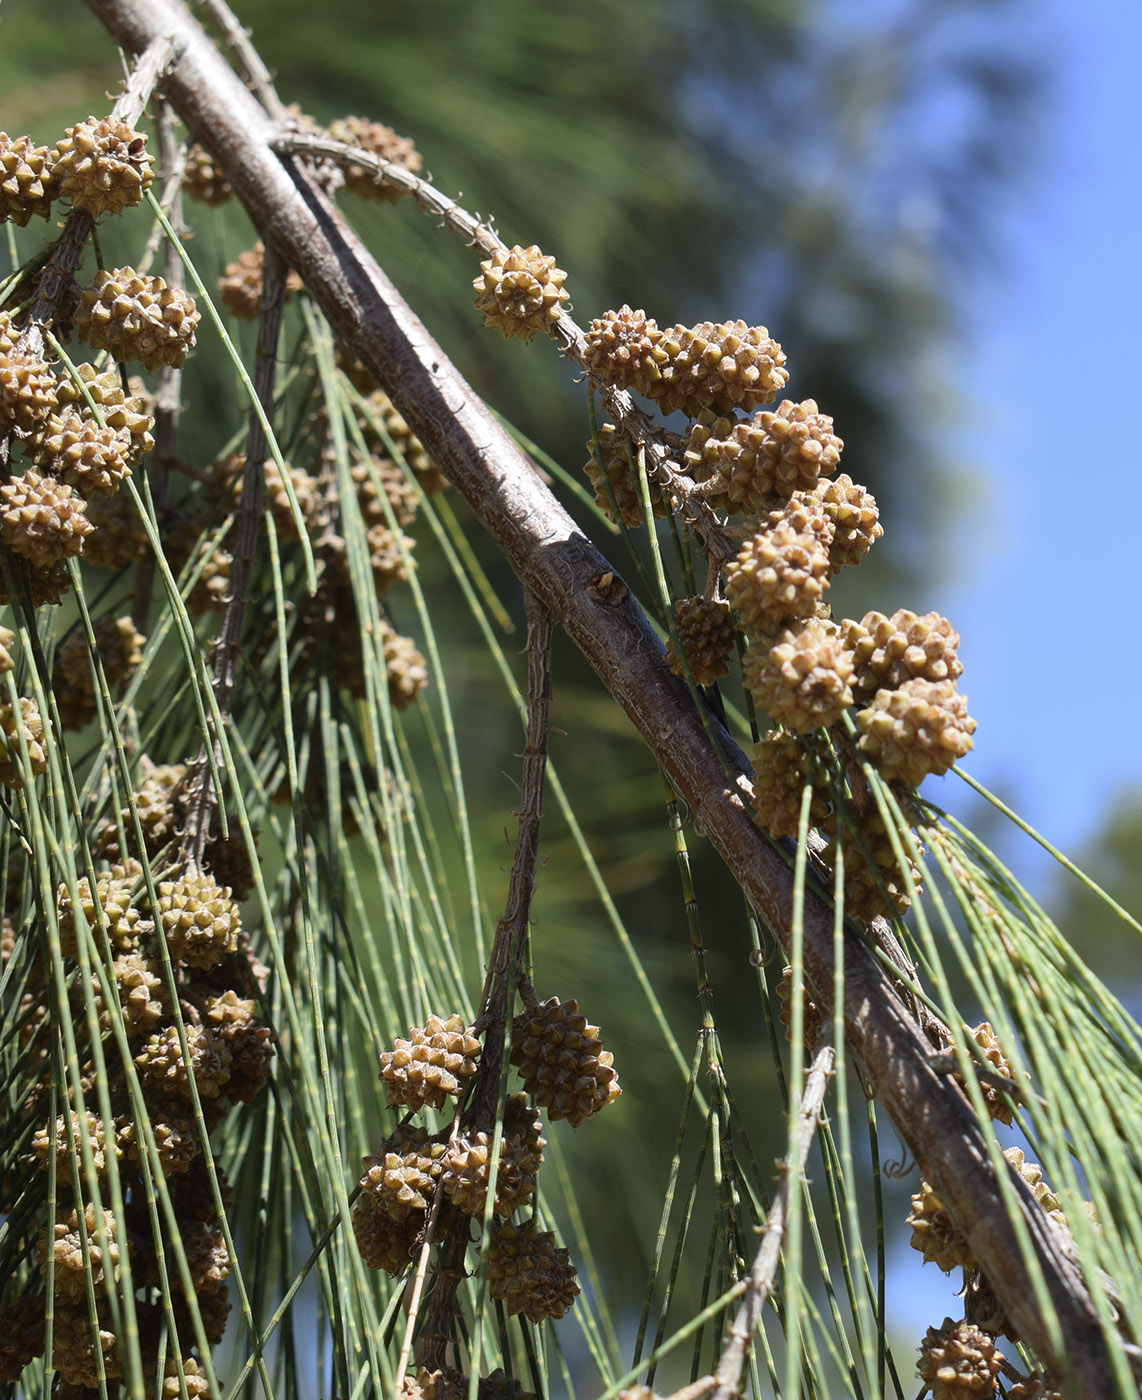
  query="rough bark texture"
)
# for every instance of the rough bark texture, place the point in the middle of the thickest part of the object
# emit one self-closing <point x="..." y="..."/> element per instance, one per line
<point x="582" y="591"/>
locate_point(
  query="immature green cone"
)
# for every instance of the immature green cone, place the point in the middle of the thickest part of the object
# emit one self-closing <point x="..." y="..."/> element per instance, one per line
<point x="433" y="1064"/>
<point x="27" y="180"/>
<point x="72" y="1269"/>
<point x="529" y="1273"/>
<point x="521" y="291"/>
<point x="200" y="920"/>
<point x="137" y="317"/>
<point x="624" y="350"/>
<point x="888" y="651"/>
<point x="959" y="1362"/>
<point x="781" y="768"/>
<point x="202" y="180"/>
<point x="802" y="681"/>
<point x="102" y="165"/>
<point x="936" y="1235"/>
<point x="706" y="636"/>
<point x="855" y="519"/>
<point x="781" y="573"/>
<point x="921" y="728"/>
<point x="727" y="367"/>
<point x="378" y="140"/>
<point x="42" y="519"/>
<point x="562" y="1062"/>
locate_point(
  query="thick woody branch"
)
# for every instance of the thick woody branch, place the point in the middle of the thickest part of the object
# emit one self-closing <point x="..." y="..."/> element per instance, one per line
<point x="583" y="592"/>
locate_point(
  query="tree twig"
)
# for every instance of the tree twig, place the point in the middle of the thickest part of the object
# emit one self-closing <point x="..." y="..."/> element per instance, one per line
<point x="764" y="1271"/>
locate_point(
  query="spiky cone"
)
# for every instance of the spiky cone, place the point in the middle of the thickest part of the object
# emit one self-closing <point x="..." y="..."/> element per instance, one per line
<point x="47" y="584"/>
<point x="199" y="919"/>
<point x="73" y="447"/>
<point x="404" y="1172"/>
<point x="129" y="414"/>
<point x="433" y="1064"/>
<point x="250" y="1044"/>
<point x="202" y="180"/>
<point x="705" y="635"/>
<point x="384" y="1240"/>
<point x="159" y="806"/>
<point x="887" y="651"/>
<point x="7" y="641"/>
<point x="529" y="1273"/>
<point x="230" y="861"/>
<point x="389" y="557"/>
<point x="769" y="457"/>
<point x="525" y="1125"/>
<point x="177" y="1136"/>
<point x="405" y="669"/>
<point x="63" y="1140"/>
<point x="123" y="923"/>
<point x="874" y="884"/>
<point x="616" y="485"/>
<point x="42" y="519"/>
<point x="213" y="1308"/>
<point x="137" y="317"/>
<point x="921" y="728"/>
<point x="27" y="179"/>
<point x="72" y="1269"/>
<point x="562" y="1062"/>
<point x="855" y="520"/>
<point x="102" y="165"/>
<point x="19" y="730"/>
<point x="812" y="1022"/>
<point x="381" y="482"/>
<point x="27" y="392"/>
<point x="936" y="1235"/>
<point x="117" y="536"/>
<point x="194" y="1379"/>
<point x="119" y="647"/>
<point x="381" y="141"/>
<point x="1032" y="1174"/>
<point x="21" y="1336"/>
<point x="163" y="1069"/>
<point x="782" y="767"/>
<point x="624" y="350"/>
<point x="141" y="993"/>
<point x="520" y="291"/>
<point x="959" y="1362"/>
<point x="378" y="405"/>
<point x="240" y="286"/>
<point x="985" y="1037"/>
<point x="728" y="367"/>
<point x="467" y="1171"/>
<point x="781" y="572"/>
<point x="74" y="1347"/>
<point x="802" y="680"/>
<point x="495" y="1386"/>
<point x="1033" y="1388"/>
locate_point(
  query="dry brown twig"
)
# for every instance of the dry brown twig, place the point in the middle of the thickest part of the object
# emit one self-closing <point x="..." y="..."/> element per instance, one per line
<point x="571" y="577"/>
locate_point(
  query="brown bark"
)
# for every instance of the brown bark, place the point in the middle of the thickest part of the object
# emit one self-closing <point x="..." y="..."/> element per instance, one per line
<point x="568" y="574"/>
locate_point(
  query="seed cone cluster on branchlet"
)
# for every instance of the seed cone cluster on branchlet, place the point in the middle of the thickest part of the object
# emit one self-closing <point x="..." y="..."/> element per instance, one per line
<point x="562" y="1062"/>
<point x="959" y="1362"/>
<point x="529" y="1273"/>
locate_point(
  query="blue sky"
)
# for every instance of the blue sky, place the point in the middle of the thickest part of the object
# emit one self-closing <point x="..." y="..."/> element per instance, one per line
<point x="1046" y="560"/>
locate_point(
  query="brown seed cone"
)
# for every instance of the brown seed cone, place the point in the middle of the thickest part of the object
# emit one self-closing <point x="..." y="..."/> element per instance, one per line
<point x="802" y="680"/>
<point x="202" y="180"/>
<point x="47" y="584"/>
<point x="28" y="724"/>
<point x="403" y="439"/>
<point x="200" y="920"/>
<point x="7" y="642"/>
<point x="124" y="923"/>
<point x="120" y="651"/>
<point x="240" y="286"/>
<point x="74" y="448"/>
<point x="406" y="669"/>
<point x="193" y="1377"/>
<point x="159" y="805"/>
<point x="467" y="1170"/>
<point x="27" y="179"/>
<point x="782" y="766"/>
<point x="624" y="350"/>
<point x="529" y="1273"/>
<point x="137" y="317"/>
<point x="214" y="1309"/>
<point x="405" y="1170"/>
<point x="887" y="651"/>
<point x="74" y="1347"/>
<point x="936" y="1235"/>
<point x="42" y="519"/>
<point x="771" y="456"/>
<point x="117" y="535"/>
<point x="812" y="1022"/>
<point x="706" y="635"/>
<point x="381" y="141"/>
<point x="71" y="1268"/>
<point x="436" y="1385"/>
<point x="385" y="1241"/>
<point x="985" y="1037"/>
<point x="1032" y="1174"/>
<point x="131" y="415"/>
<point x="959" y="1362"/>
<point x="102" y="165"/>
<point x="434" y="1062"/>
<point x="380" y="481"/>
<point x="728" y="367"/>
<point x="618" y="479"/>
<point x="142" y="994"/>
<point x="524" y="1123"/>
<point x="27" y="392"/>
<point x="562" y="1062"/>
<point x="924" y="727"/>
<point x="21" y="1336"/>
<point x="389" y="557"/>
<point x="855" y="519"/>
<point x="781" y="573"/>
<point x="1033" y="1388"/>
<point x="64" y="1142"/>
<point x="207" y="1258"/>
<point x="495" y="1386"/>
<point x="520" y="291"/>
<point x="161" y="1064"/>
<point x="249" y="1041"/>
<point x="874" y="884"/>
<point x="177" y="1137"/>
